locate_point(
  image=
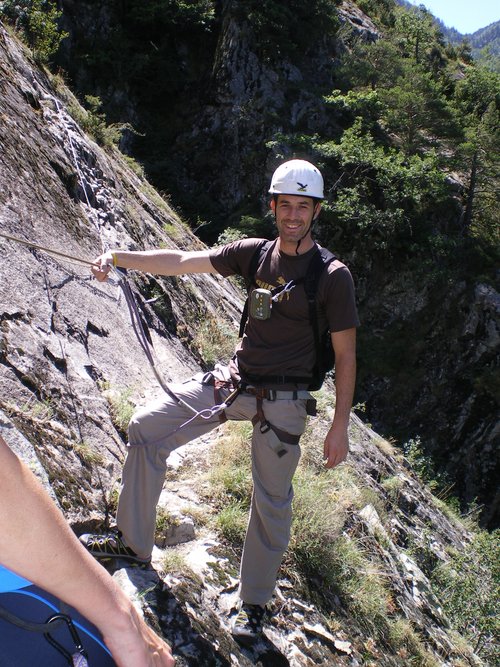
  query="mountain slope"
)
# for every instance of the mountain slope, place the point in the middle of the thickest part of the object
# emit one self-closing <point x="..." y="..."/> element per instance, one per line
<point x="484" y="38"/>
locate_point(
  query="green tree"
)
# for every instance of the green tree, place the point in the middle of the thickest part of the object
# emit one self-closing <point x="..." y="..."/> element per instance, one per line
<point x="283" y="29"/>
<point x="384" y="200"/>
<point x="172" y="13"/>
<point x="416" y="108"/>
<point x="478" y="155"/>
<point x="42" y="29"/>
<point x="355" y="104"/>
<point x="417" y="32"/>
<point x="371" y="64"/>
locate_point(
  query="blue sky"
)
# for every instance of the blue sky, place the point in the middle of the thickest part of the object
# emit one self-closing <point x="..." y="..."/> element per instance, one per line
<point x="466" y="16"/>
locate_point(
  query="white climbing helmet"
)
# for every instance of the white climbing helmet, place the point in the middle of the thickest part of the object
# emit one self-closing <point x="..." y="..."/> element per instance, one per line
<point x="297" y="177"/>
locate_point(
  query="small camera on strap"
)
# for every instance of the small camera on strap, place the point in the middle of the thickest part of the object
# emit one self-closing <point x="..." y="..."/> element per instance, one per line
<point x="261" y="301"/>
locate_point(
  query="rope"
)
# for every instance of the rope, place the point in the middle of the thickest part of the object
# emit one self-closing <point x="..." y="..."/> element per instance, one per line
<point x="137" y="326"/>
<point x="207" y="413"/>
<point x="49" y="251"/>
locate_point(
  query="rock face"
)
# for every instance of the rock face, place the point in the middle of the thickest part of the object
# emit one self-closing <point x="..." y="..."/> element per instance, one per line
<point x="443" y="387"/>
<point x="64" y="337"/>
<point x="70" y="367"/>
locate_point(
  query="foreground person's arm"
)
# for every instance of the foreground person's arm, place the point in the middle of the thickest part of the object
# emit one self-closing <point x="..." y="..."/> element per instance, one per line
<point x="37" y="543"/>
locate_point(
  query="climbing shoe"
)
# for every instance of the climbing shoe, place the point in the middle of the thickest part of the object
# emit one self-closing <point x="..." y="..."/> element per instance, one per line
<point x="246" y="626"/>
<point x="110" y="545"/>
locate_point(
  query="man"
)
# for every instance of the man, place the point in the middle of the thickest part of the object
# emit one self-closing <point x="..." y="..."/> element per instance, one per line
<point x="30" y="524"/>
<point x="272" y="366"/>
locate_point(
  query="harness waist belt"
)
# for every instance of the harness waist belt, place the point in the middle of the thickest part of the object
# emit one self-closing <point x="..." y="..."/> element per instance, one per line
<point x="275" y="394"/>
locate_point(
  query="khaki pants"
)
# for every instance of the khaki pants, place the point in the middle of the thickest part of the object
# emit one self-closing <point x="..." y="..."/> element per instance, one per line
<point x="151" y="439"/>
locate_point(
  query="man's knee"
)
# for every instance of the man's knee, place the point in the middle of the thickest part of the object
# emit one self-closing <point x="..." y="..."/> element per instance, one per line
<point x="138" y="428"/>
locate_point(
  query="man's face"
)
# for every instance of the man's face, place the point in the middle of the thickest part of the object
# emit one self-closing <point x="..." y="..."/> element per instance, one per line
<point x="294" y="214"/>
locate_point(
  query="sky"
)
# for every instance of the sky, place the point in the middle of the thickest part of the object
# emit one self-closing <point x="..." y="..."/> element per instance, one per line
<point x="466" y="16"/>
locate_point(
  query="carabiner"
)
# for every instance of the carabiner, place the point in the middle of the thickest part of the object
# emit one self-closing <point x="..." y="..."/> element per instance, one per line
<point x="77" y="659"/>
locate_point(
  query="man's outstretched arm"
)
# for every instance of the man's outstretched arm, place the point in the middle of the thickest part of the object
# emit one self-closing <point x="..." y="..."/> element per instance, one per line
<point x="159" y="262"/>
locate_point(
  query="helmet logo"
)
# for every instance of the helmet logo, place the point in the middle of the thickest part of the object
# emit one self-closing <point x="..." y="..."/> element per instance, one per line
<point x="303" y="187"/>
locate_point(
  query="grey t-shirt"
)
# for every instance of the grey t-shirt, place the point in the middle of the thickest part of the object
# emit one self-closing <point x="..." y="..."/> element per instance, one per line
<point x="284" y="343"/>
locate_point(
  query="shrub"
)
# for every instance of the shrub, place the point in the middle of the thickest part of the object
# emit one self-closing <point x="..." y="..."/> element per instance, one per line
<point x="93" y="121"/>
<point x="215" y="340"/>
<point x="38" y="21"/>
<point x="121" y="407"/>
<point x="469" y="589"/>
<point x="321" y="547"/>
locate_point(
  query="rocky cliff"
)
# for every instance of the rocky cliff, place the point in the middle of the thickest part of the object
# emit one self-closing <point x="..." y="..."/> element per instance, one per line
<point x="69" y="361"/>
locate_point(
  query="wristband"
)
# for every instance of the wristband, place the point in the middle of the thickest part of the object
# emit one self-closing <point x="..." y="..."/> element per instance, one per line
<point x="113" y="255"/>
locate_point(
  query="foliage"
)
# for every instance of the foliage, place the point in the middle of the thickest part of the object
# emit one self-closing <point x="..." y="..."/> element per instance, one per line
<point x="248" y="227"/>
<point x="478" y="154"/>
<point x="165" y="521"/>
<point x="178" y="13"/>
<point x="215" y="340"/>
<point x="38" y="19"/>
<point x="372" y="65"/>
<point x="229" y="235"/>
<point x="410" y="645"/>
<point x="469" y="588"/>
<point x="384" y="200"/>
<point x="476" y="91"/>
<point x="416" y="110"/>
<point x="408" y="113"/>
<point x="88" y="455"/>
<point x="416" y="32"/>
<point x="232" y="521"/>
<point x="363" y="104"/>
<point x="93" y="121"/>
<point x="43" y="32"/>
<point x="425" y="467"/>
<point x="285" y="29"/>
<point x="230" y="469"/>
<point x="174" y="563"/>
<point x="121" y="407"/>
<point x="379" y="10"/>
<point x="322" y="548"/>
